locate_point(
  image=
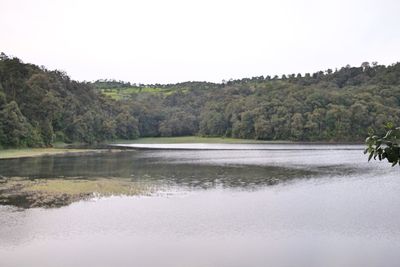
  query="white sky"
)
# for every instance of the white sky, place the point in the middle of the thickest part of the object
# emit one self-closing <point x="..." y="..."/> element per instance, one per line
<point x="163" y="41"/>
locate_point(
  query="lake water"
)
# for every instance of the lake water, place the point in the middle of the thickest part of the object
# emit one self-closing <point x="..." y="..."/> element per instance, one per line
<point x="243" y="205"/>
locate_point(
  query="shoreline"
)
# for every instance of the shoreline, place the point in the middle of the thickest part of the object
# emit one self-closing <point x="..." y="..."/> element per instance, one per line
<point x="120" y="145"/>
<point x="223" y="140"/>
<point x="42" y="152"/>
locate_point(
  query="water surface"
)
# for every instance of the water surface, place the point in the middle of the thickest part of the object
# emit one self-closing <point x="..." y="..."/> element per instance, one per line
<point x="323" y="206"/>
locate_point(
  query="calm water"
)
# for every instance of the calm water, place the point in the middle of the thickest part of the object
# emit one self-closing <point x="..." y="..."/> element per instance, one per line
<point x="284" y="205"/>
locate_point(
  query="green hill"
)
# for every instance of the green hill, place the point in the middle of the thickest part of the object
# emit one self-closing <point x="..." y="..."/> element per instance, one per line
<point x="39" y="107"/>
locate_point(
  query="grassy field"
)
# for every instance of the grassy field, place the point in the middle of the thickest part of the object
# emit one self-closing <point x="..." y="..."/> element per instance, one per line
<point x="121" y="93"/>
<point x="192" y="139"/>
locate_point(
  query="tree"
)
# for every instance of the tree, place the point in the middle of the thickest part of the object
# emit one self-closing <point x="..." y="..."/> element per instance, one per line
<point x="244" y="127"/>
<point x="212" y="123"/>
<point x="15" y="130"/>
<point x="297" y="126"/>
<point x="127" y="126"/>
<point x="262" y="129"/>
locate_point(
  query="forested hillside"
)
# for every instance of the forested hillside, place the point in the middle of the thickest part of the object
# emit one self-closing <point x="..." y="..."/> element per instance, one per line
<point x="39" y="107"/>
<point x="328" y="105"/>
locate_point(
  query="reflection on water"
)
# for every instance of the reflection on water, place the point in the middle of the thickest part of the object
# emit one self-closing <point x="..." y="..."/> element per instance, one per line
<point x="201" y="168"/>
<point x="152" y="167"/>
<point x="346" y="213"/>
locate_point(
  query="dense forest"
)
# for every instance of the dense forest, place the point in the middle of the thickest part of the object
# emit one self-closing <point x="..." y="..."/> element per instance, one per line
<point x="39" y="107"/>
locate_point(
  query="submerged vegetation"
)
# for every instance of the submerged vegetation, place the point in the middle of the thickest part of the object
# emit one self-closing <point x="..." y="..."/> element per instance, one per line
<point x="59" y="180"/>
<point x="39" y="107"/>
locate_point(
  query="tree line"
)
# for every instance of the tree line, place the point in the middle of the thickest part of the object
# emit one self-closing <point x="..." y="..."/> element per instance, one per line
<point x="39" y="107"/>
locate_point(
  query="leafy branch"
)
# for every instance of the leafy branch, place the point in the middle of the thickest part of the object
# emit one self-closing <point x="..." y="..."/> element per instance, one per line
<point x="386" y="147"/>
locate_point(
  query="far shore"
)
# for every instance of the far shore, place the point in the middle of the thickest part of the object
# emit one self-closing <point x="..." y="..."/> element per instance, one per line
<point x="219" y="140"/>
<point x="38" y="152"/>
<point x="84" y="149"/>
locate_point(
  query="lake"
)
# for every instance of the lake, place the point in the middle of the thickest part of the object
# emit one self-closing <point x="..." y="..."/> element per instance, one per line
<point x="212" y="205"/>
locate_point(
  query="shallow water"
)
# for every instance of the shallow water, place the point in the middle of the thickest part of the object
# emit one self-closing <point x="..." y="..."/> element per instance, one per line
<point x="279" y="207"/>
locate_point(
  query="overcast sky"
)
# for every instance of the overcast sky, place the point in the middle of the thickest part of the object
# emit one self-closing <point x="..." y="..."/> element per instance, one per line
<point x="162" y="41"/>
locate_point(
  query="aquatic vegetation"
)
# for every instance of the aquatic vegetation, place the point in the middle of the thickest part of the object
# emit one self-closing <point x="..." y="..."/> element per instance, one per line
<point x="28" y="193"/>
